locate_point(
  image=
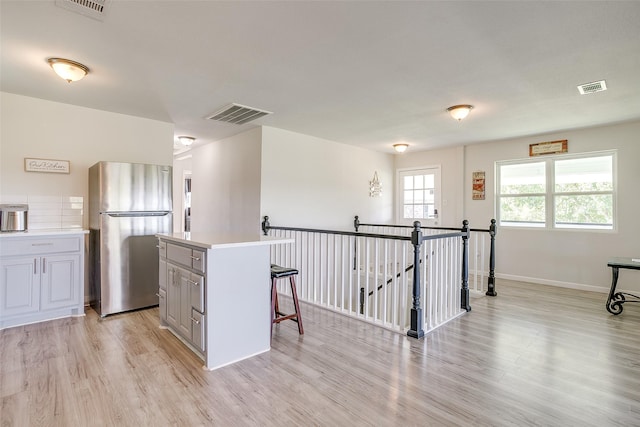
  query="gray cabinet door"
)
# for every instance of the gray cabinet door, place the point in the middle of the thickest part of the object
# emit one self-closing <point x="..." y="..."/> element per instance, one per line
<point x="162" y="289"/>
<point x="19" y="286"/>
<point x="60" y="281"/>
<point x="196" y="292"/>
<point x="173" y="296"/>
<point x="198" y="338"/>
<point x="184" y="327"/>
<point x="162" y="305"/>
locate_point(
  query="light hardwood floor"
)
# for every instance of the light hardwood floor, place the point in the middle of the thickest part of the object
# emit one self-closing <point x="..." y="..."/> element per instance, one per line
<point x="535" y="355"/>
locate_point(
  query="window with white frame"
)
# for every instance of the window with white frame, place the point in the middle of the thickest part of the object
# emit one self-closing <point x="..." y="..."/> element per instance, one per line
<point x="569" y="191"/>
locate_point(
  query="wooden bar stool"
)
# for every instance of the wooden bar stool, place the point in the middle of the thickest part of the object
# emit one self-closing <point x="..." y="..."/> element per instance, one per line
<point x="278" y="272"/>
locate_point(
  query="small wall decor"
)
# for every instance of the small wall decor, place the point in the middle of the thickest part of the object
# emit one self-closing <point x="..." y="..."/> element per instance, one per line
<point x="551" y="147"/>
<point x="46" y="165"/>
<point x="375" y="187"/>
<point x="478" y="186"/>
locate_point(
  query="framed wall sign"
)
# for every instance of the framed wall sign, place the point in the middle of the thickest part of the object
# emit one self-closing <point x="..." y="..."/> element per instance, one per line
<point x="46" y="165"/>
<point x="551" y="147"/>
<point x="477" y="192"/>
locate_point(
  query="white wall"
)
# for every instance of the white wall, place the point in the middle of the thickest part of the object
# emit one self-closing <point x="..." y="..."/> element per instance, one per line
<point x="570" y="258"/>
<point x="312" y="182"/>
<point x="225" y="181"/>
<point x="451" y="162"/>
<point x="37" y="128"/>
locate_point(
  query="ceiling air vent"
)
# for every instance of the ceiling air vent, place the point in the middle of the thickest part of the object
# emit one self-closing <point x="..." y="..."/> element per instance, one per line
<point x="95" y="9"/>
<point x="592" y="87"/>
<point x="238" y="114"/>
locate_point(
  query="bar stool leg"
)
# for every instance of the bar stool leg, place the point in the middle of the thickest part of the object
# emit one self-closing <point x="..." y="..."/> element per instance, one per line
<point x="274" y="302"/>
<point x="294" y="293"/>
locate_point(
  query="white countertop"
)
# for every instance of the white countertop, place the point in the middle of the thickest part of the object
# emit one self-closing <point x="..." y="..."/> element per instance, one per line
<point x="210" y="240"/>
<point x="43" y="233"/>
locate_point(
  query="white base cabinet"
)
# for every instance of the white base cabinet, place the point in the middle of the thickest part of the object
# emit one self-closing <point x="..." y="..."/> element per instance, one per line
<point x="217" y="294"/>
<point x="41" y="277"/>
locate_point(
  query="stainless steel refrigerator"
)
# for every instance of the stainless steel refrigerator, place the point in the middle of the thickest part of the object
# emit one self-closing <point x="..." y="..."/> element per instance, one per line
<point x="128" y="204"/>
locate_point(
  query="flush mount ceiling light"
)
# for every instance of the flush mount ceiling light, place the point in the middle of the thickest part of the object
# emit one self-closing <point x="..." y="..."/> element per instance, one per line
<point x="459" y="112"/>
<point x="69" y="70"/>
<point x="186" y="140"/>
<point x="400" y="148"/>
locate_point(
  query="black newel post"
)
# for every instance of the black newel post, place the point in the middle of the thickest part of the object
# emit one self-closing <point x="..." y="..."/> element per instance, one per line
<point x="356" y="225"/>
<point x="416" y="330"/>
<point x="491" y="287"/>
<point x="464" y="291"/>
<point x="265" y="225"/>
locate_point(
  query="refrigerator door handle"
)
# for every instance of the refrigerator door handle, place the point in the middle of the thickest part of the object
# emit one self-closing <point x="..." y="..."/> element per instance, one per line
<point x="136" y="214"/>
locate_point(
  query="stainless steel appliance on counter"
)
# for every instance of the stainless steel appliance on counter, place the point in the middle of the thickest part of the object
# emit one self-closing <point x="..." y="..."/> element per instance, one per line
<point x="128" y="204"/>
<point x="14" y="217"/>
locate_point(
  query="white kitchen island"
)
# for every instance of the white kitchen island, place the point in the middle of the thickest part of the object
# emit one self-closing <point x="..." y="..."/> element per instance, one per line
<point x="215" y="293"/>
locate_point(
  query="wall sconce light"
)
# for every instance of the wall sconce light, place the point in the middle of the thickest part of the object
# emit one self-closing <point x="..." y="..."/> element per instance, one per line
<point x="69" y="70"/>
<point x="459" y="112"/>
<point x="400" y="148"/>
<point x="186" y="140"/>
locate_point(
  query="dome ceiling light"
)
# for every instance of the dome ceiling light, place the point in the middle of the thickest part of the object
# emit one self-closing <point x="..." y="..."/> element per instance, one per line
<point x="400" y="148"/>
<point x="186" y="140"/>
<point x="459" y="112"/>
<point x="67" y="69"/>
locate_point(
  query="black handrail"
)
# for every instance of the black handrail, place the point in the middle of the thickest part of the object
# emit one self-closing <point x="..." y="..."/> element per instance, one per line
<point x="266" y="227"/>
<point x="357" y="224"/>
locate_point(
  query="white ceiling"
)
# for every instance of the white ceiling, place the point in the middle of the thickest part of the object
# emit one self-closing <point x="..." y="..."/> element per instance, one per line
<point x="364" y="73"/>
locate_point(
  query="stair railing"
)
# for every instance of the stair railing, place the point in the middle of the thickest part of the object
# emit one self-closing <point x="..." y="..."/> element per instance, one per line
<point x="334" y="265"/>
<point x="477" y="248"/>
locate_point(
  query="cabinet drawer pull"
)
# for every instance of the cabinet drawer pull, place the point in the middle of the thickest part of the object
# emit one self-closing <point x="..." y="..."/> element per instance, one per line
<point x="44" y="266"/>
<point x="195" y="258"/>
<point x="157" y="246"/>
<point x="197" y="322"/>
<point x="193" y="283"/>
<point x="42" y="244"/>
<point x="35" y="266"/>
<point x="158" y="295"/>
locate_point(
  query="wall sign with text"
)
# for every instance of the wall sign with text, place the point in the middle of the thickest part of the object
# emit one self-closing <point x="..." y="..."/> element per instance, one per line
<point x="551" y="147"/>
<point x="46" y="165"/>
<point x="478" y="186"/>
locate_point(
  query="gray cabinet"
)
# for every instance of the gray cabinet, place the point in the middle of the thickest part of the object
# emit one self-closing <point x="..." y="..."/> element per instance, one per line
<point x="218" y="292"/>
<point x="184" y="310"/>
<point x="59" y="281"/>
<point x="19" y="287"/>
<point x="41" y="277"/>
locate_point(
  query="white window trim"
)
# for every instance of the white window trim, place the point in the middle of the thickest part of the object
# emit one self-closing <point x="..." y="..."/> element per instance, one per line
<point x="550" y="190"/>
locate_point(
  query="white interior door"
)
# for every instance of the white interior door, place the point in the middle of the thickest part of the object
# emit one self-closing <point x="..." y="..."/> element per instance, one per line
<point x="419" y="196"/>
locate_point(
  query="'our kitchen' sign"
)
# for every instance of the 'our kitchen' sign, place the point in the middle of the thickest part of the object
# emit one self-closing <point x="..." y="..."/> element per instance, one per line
<point x="46" y="165"/>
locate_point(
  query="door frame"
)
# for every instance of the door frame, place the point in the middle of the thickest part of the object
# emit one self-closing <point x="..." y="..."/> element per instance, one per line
<point x="400" y="193"/>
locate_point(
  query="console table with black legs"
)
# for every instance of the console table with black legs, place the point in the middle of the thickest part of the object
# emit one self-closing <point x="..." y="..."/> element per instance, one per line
<point x="616" y="299"/>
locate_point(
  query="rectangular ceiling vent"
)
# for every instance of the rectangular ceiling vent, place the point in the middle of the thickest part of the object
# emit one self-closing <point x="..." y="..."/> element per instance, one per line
<point x="95" y="9"/>
<point x="592" y="87"/>
<point x="238" y="114"/>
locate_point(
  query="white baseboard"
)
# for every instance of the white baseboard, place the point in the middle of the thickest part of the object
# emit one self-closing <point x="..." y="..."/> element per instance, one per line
<point x="557" y="283"/>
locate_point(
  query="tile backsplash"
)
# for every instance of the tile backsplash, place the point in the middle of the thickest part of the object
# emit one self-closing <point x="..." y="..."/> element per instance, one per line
<point x="47" y="212"/>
